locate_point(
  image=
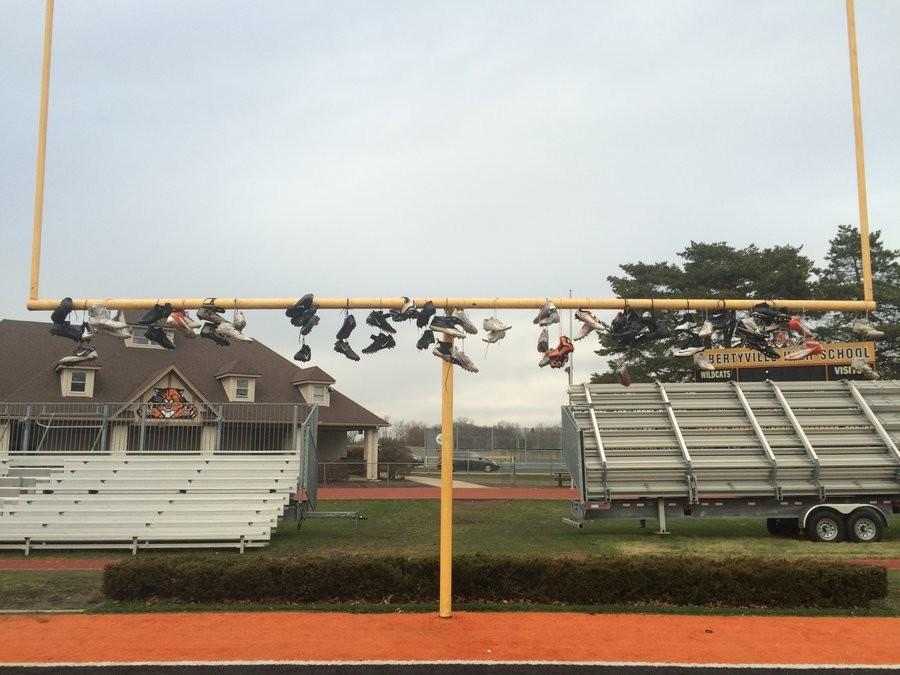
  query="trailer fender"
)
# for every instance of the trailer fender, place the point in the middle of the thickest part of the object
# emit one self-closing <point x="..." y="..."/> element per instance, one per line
<point x="844" y="510"/>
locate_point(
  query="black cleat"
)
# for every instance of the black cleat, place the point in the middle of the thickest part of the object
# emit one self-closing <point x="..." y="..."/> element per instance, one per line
<point x="378" y="319"/>
<point x="158" y="313"/>
<point x="61" y="313"/>
<point x="444" y="347"/>
<point x="346" y="328"/>
<point x="66" y="330"/>
<point x="343" y="347"/>
<point x="158" y="335"/>
<point x="311" y="322"/>
<point x="209" y="332"/>
<point x="300" y="307"/>
<point x="428" y="310"/>
<point x="379" y="342"/>
<point x="304" y="354"/>
<point x="301" y="318"/>
<point x="426" y="340"/>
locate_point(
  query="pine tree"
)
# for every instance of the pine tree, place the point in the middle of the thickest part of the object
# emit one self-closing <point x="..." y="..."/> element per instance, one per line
<point x="841" y="279"/>
<point x="708" y="270"/>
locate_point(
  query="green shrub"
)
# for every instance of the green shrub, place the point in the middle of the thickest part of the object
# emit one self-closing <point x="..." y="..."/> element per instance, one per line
<point x="688" y="580"/>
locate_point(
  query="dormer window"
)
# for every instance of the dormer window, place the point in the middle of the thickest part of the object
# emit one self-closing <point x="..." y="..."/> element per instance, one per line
<point x="242" y="388"/>
<point x="77" y="382"/>
<point x="319" y="393"/>
<point x="315" y="392"/>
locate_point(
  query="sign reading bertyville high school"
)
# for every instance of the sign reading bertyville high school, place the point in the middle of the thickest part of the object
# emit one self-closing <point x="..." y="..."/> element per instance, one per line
<point x="834" y="354"/>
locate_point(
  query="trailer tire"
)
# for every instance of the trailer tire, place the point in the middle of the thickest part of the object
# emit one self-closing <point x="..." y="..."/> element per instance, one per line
<point x="864" y="526"/>
<point x="826" y="526"/>
<point x="782" y="527"/>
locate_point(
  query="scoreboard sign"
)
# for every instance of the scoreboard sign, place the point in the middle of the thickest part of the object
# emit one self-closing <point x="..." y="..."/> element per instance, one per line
<point x="834" y="354"/>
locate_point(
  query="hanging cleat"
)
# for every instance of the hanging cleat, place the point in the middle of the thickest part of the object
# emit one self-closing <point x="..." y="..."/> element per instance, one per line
<point x="689" y="347"/>
<point x="208" y="331"/>
<point x="588" y="319"/>
<point x="312" y="320"/>
<point x="798" y="325"/>
<point x="810" y="348"/>
<point x="463" y="321"/>
<point x="304" y="354"/>
<point x="428" y="310"/>
<point x="211" y="313"/>
<point x="346" y="327"/>
<point x="622" y="372"/>
<point x="302" y="318"/>
<point x="493" y="324"/>
<point x="379" y="342"/>
<point x="60" y="315"/>
<point x="179" y="320"/>
<point x="543" y="344"/>
<point x="239" y="321"/>
<point x="343" y="347"/>
<point x="300" y="307"/>
<point x="584" y="332"/>
<point x="560" y="354"/>
<point x="378" y="319"/>
<point x="544" y="313"/>
<point x="859" y="363"/>
<point x="864" y="328"/>
<point x="227" y="330"/>
<point x="494" y="336"/>
<point x="81" y="354"/>
<point x="158" y="336"/>
<point x="66" y="330"/>
<point x="550" y="319"/>
<point x="706" y="329"/>
<point x="545" y="360"/>
<point x="426" y="340"/>
<point x="158" y="313"/>
<point x="461" y="359"/>
<point x="688" y="322"/>
<point x="702" y="363"/>
<point x="447" y="326"/>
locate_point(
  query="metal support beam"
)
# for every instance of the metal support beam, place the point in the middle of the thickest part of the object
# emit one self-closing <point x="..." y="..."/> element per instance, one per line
<point x="798" y="429"/>
<point x="873" y="420"/>
<point x="760" y="436"/>
<point x="464" y="302"/>
<point x="661" y="515"/>
<point x="587" y="395"/>
<point x="685" y="453"/>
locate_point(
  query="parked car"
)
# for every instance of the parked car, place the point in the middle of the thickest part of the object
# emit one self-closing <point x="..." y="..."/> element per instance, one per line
<point x="467" y="460"/>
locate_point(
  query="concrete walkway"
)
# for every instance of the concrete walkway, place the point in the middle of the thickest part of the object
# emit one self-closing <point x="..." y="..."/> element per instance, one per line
<point x="436" y="482"/>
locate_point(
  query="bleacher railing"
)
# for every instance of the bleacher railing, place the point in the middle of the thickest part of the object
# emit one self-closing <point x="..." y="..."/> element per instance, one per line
<point x="153" y="427"/>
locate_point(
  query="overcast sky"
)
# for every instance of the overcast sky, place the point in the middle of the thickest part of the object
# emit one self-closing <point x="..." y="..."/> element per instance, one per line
<point x="446" y="148"/>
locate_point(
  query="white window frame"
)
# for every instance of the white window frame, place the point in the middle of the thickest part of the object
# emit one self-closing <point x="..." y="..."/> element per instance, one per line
<point x="84" y="382"/>
<point x="237" y="388"/>
<point x="319" y="393"/>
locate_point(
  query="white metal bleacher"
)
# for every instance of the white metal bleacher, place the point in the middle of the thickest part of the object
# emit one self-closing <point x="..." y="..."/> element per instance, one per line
<point x="152" y="501"/>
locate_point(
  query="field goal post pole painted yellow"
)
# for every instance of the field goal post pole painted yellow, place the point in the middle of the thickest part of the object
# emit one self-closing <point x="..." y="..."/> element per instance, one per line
<point x="860" y="157"/>
<point x="36" y="303"/>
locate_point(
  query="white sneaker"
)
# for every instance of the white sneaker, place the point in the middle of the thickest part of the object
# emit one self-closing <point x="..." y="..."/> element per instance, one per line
<point x="686" y="325"/>
<point x="586" y="329"/>
<point x="98" y="317"/>
<point x="865" y="328"/>
<point x="227" y="330"/>
<point x="687" y="351"/>
<point x="492" y="323"/>
<point x="464" y="321"/>
<point x="407" y="306"/>
<point x="859" y="363"/>
<point x="545" y="360"/>
<point x="588" y="318"/>
<point x="494" y="336"/>
<point x="551" y="318"/>
<point x="462" y="359"/>
<point x="239" y="321"/>
<point x="706" y="329"/>
<point x="543" y="344"/>
<point x="702" y="363"/>
<point x="544" y="312"/>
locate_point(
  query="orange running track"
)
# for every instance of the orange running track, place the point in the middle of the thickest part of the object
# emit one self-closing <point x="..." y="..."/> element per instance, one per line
<point x="479" y="636"/>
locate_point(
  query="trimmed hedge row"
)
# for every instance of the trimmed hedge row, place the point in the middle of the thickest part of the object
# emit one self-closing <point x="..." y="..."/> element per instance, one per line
<point x="685" y="580"/>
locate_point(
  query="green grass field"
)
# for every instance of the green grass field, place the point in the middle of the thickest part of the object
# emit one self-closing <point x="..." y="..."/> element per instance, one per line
<point x="510" y="527"/>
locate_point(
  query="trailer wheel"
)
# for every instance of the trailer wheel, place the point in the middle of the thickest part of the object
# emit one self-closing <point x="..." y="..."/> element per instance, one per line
<point x="782" y="527"/>
<point x="864" y="526"/>
<point x="826" y="526"/>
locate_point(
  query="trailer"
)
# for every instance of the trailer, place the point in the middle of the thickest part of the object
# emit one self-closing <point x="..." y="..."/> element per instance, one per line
<point x="813" y="457"/>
